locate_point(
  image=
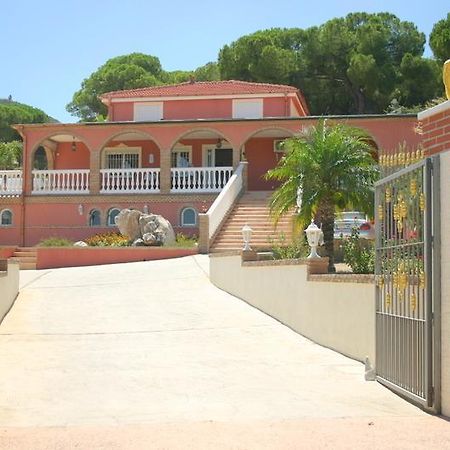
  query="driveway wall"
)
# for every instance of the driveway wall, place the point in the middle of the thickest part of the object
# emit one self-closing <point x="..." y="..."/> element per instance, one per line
<point x="339" y="315"/>
<point x="9" y="285"/>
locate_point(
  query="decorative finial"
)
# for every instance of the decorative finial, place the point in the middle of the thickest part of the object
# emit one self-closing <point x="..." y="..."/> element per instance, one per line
<point x="446" y="78"/>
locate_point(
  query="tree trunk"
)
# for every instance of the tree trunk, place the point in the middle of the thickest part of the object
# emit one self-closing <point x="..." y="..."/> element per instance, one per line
<point x="325" y="217"/>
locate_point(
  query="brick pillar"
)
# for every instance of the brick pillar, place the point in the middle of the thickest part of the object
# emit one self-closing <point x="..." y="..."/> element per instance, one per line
<point x="165" y="166"/>
<point x="236" y="157"/>
<point x="203" y="233"/>
<point x="94" y="175"/>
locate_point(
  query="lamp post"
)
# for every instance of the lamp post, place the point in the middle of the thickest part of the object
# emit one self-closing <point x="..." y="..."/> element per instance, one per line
<point x="247" y="236"/>
<point x="315" y="236"/>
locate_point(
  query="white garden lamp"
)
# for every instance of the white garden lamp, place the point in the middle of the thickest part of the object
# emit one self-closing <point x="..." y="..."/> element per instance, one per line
<point x="247" y="236"/>
<point x="314" y="235"/>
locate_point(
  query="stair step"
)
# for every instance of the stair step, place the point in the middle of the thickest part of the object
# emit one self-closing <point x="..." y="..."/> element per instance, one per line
<point x="27" y="265"/>
<point x="25" y="254"/>
<point x="26" y="259"/>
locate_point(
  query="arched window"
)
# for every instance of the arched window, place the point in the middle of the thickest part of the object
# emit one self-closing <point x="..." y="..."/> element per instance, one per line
<point x="94" y="218"/>
<point x="112" y="213"/>
<point x="40" y="159"/>
<point x="6" y="217"/>
<point x="188" y="217"/>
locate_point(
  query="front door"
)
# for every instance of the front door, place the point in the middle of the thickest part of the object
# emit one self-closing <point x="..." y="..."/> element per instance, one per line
<point x="218" y="157"/>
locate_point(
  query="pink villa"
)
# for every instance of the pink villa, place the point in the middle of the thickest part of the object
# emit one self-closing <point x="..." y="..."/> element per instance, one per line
<point x="187" y="151"/>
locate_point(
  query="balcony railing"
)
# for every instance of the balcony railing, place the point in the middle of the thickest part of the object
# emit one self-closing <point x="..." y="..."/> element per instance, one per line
<point x="118" y="181"/>
<point x="10" y="182"/>
<point x="200" y="179"/>
<point x="61" y="181"/>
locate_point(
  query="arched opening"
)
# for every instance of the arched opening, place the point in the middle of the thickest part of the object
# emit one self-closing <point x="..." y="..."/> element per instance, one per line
<point x="188" y="217"/>
<point x="112" y="214"/>
<point x="130" y="162"/>
<point x="60" y="165"/>
<point x="201" y="161"/>
<point x="262" y="150"/>
<point x="95" y="218"/>
<point x="6" y="218"/>
<point x="40" y="160"/>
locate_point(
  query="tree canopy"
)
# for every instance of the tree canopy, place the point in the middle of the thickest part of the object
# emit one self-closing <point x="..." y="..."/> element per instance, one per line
<point x="356" y="64"/>
<point x="13" y="112"/>
<point x="440" y="39"/>
<point x="132" y="71"/>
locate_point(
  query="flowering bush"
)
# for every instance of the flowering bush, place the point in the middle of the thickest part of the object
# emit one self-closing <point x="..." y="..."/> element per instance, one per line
<point x="359" y="254"/>
<point x="112" y="239"/>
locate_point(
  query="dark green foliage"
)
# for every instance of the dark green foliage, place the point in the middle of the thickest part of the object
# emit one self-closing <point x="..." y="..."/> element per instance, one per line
<point x="359" y="254"/>
<point x="356" y="64"/>
<point x="12" y="113"/>
<point x="132" y="71"/>
<point x="10" y="155"/>
<point x="440" y="39"/>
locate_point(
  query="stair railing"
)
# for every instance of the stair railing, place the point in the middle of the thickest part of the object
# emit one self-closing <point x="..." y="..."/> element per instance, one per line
<point x="210" y="222"/>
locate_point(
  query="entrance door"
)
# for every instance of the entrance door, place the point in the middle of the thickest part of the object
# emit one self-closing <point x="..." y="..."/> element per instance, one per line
<point x="218" y="157"/>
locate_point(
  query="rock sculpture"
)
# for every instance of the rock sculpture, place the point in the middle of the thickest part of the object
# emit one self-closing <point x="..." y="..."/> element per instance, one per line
<point x="145" y="229"/>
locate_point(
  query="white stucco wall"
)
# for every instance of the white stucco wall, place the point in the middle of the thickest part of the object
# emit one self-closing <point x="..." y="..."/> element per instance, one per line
<point x="9" y="287"/>
<point x="338" y="315"/>
<point x="445" y="281"/>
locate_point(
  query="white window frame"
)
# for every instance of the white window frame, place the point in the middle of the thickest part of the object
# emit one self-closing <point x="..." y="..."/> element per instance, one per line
<point x="138" y="107"/>
<point x="109" y="215"/>
<point x="182" y="217"/>
<point x="121" y="150"/>
<point x="257" y="102"/>
<point x="1" y="218"/>
<point x="181" y="148"/>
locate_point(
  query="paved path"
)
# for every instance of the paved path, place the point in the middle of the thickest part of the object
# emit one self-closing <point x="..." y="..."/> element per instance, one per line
<point x="151" y="355"/>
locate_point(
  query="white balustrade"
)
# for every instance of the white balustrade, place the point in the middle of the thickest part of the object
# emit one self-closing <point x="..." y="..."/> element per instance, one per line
<point x="200" y="179"/>
<point x="225" y="201"/>
<point x="10" y="182"/>
<point x="118" y="181"/>
<point x="73" y="181"/>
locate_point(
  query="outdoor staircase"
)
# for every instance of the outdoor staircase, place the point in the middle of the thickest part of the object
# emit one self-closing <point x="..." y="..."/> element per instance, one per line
<point x="27" y="257"/>
<point x="252" y="209"/>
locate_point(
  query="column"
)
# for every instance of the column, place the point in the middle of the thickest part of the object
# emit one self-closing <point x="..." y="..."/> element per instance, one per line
<point x="165" y="173"/>
<point x="94" y="174"/>
<point x="236" y="157"/>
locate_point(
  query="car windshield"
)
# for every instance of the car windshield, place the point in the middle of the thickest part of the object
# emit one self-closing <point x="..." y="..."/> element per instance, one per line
<point x="350" y="215"/>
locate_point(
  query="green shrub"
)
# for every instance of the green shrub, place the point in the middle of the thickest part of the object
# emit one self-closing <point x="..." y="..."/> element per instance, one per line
<point x="112" y="239"/>
<point x="55" y="242"/>
<point x="184" y="241"/>
<point x="359" y="254"/>
<point x="282" y="249"/>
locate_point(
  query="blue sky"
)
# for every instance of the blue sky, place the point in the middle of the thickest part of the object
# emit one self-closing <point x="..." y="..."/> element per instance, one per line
<point x="48" y="47"/>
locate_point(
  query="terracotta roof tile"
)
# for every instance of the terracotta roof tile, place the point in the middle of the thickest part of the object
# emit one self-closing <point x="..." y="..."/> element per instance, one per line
<point x="201" y="88"/>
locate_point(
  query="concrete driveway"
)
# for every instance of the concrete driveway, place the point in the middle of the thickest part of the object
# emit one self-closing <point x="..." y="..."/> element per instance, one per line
<point x="151" y="355"/>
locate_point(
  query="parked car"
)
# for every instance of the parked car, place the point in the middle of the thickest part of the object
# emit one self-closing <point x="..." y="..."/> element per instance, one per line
<point x="347" y="220"/>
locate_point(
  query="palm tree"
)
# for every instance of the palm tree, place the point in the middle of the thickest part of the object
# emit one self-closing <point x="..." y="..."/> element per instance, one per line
<point x="334" y="168"/>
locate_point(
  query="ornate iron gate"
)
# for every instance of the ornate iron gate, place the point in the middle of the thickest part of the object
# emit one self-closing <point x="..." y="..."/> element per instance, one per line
<point x="408" y="282"/>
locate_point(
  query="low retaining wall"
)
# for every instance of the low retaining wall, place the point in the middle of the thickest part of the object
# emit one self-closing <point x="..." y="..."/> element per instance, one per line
<point x="9" y="285"/>
<point x="54" y="257"/>
<point x="335" y="311"/>
<point x="6" y="252"/>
